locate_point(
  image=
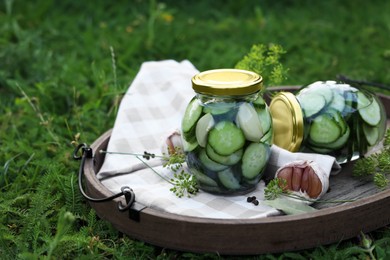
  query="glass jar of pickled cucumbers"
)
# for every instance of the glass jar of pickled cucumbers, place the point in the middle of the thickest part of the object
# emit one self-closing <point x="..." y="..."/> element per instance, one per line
<point x="328" y="118"/>
<point x="227" y="131"/>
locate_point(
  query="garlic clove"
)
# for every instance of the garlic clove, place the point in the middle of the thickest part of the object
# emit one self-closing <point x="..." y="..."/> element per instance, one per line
<point x="286" y="173"/>
<point x="296" y="178"/>
<point x="305" y="179"/>
<point x="315" y="186"/>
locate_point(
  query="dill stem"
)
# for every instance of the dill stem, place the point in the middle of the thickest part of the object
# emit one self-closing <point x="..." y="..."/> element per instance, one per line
<point x="133" y="154"/>
<point x="156" y="172"/>
<point x="313" y="200"/>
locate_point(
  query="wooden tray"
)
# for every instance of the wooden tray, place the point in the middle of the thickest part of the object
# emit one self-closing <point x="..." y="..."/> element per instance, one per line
<point x="330" y="224"/>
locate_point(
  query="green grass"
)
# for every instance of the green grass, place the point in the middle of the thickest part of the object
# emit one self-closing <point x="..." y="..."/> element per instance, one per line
<point x="59" y="86"/>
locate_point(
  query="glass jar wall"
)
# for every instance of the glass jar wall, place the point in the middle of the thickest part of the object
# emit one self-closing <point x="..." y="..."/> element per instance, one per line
<point x="329" y="118"/>
<point x="227" y="131"/>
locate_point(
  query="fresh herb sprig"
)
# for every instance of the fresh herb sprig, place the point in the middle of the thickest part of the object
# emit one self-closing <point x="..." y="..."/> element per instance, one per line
<point x="265" y="60"/>
<point x="376" y="165"/>
<point x="184" y="183"/>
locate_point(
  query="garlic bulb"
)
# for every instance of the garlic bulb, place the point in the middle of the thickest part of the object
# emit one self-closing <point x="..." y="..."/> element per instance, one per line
<point x="305" y="178"/>
<point x="173" y="143"/>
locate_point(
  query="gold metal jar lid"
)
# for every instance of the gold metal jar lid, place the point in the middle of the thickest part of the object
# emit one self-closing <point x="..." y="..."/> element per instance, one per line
<point x="227" y="82"/>
<point x="287" y="121"/>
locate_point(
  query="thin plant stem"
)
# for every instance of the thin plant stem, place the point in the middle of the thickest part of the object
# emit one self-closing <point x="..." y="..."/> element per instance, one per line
<point x="139" y="157"/>
<point x="156" y="172"/>
<point x="134" y="154"/>
<point x="294" y="196"/>
<point x="44" y="122"/>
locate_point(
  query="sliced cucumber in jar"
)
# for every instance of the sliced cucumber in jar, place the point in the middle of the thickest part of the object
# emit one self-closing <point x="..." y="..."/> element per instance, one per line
<point x="267" y="137"/>
<point x="225" y="160"/>
<point x="189" y="146"/>
<point x="339" y="143"/>
<point x="320" y="88"/>
<point x="336" y="115"/>
<point x="311" y="103"/>
<point x="203" y="178"/>
<point x="226" y="177"/>
<point x="350" y="98"/>
<point x="265" y="119"/>
<point x="189" y="136"/>
<point x="259" y="102"/>
<point x="254" y="159"/>
<point x="219" y="108"/>
<point x="371" y="134"/>
<point x="210" y="164"/>
<point x="324" y="129"/>
<point x="249" y="122"/>
<point x="191" y="115"/>
<point x="369" y="110"/>
<point x="203" y="126"/>
<point x="226" y="138"/>
<point x="338" y="102"/>
<point x="320" y="149"/>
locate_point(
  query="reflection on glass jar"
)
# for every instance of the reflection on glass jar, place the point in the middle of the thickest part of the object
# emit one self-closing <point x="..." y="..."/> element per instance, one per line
<point x="227" y="131"/>
<point x="328" y="118"/>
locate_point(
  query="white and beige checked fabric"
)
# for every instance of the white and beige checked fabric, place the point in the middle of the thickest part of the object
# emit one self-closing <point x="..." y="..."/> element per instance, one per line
<point x="152" y="109"/>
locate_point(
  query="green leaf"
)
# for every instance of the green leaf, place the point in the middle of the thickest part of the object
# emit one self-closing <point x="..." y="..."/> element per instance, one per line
<point x="289" y="206"/>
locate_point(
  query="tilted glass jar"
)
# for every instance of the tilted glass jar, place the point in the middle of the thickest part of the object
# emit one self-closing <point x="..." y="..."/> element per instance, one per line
<point x="227" y="131"/>
<point x="329" y="118"/>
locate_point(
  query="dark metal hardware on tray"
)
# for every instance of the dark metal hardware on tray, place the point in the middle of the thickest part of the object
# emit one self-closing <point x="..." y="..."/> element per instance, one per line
<point x="127" y="192"/>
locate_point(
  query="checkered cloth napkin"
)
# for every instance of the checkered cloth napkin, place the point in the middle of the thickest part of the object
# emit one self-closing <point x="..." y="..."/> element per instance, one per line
<point x="150" y="111"/>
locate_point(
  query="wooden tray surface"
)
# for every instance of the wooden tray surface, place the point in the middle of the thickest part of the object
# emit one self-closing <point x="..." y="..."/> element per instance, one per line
<point x="330" y="224"/>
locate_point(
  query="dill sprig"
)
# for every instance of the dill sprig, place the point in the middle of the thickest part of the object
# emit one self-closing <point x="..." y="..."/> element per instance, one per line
<point x="265" y="60"/>
<point x="184" y="183"/>
<point x="276" y="188"/>
<point x="376" y="165"/>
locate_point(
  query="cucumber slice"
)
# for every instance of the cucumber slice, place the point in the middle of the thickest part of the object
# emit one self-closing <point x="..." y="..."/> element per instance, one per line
<point x="210" y="164"/>
<point x="371" y="134"/>
<point x="203" y="178"/>
<point x="205" y="123"/>
<point x="320" y="149"/>
<point x="311" y="103"/>
<point x="336" y="115"/>
<point x="259" y="102"/>
<point x="226" y="177"/>
<point x="249" y="122"/>
<point x="189" y="136"/>
<point x="339" y="143"/>
<point x="254" y="160"/>
<point x="219" y="108"/>
<point x="189" y="146"/>
<point x="369" y="110"/>
<point x="350" y="98"/>
<point x="226" y="138"/>
<point x="320" y="88"/>
<point x="324" y="130"/>
<point x="225" y="160"/>
<point x="191" y="115"/>
<point x="338" y="102"/>
<point x="253" y="181"/>
<point x="267" y="138"/>
<point x="265" y="119"/>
